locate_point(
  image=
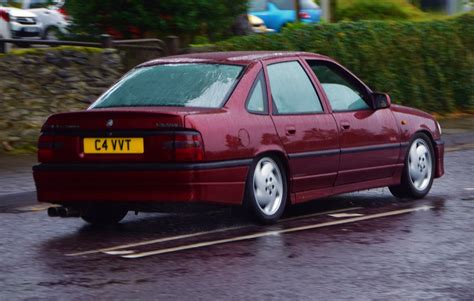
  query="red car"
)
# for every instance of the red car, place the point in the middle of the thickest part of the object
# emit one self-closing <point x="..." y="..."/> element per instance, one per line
<point x="259" y="129"/>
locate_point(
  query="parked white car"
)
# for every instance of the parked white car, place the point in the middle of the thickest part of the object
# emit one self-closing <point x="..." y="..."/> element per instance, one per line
<point x="19" y="24"/>
<point x="47" y="11"/>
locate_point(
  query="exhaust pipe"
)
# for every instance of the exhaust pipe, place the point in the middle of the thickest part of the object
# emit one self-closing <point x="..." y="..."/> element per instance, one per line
<point x="53" y="211"/>
<point x="63" y="212"/>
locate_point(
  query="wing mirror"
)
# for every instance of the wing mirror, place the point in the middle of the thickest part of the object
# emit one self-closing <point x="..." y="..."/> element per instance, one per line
<point x="381" y="100"/>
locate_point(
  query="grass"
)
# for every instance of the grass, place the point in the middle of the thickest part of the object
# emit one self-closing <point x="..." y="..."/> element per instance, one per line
<point x="41" y="51"/>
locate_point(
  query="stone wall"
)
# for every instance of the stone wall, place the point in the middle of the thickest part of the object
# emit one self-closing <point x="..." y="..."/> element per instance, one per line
<point x="35" y="83"/>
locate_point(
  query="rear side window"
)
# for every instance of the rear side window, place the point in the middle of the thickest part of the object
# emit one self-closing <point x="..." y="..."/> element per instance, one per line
<point x="41" y="3"/>
<point x="292" y="90"/>
<point x="284" y="4"/>
<point x="308" y="4"/>
<point x="180" y="85"/>
<point x="257" y="100"/>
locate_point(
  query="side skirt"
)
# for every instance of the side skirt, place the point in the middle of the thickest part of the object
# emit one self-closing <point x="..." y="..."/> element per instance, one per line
<point x="301" y="197"/>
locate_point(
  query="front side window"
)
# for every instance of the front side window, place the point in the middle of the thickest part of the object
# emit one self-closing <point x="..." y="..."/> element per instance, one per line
<point x="180" y="85"/>
<point x="292" y="90"/>
<point x="343" y="94"/>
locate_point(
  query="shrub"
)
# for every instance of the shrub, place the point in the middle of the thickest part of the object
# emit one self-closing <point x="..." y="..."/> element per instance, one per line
<point x="355" y="10"/>
<point x="426" y="64"/>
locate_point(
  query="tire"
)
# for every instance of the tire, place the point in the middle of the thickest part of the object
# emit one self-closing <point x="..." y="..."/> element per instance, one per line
<point x="3" y="46"/>
<point x="418" y="172"/>
<point x="266" y="190"/>
<point x="103" y="215"/>
<point x="51" y="34"/>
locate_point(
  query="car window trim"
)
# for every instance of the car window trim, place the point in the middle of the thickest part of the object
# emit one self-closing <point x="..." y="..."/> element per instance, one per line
<point x="260" y="76"/>
<point x="274" y="109"/>
<point x="236" y="83"/>
<point x="346" y="111"/>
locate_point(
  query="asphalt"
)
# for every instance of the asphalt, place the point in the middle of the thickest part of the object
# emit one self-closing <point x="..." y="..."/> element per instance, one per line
<point x="421" y="254"/>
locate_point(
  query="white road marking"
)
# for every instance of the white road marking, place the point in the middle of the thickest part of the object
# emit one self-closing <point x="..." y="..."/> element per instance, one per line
<point x="270" y="233"/>
<point x="124" y="252"/>
<point x="39" y="207"/>
<point x="469" y="189"/>
<point x="340" y="215"/>
<point x="165" y="239"/>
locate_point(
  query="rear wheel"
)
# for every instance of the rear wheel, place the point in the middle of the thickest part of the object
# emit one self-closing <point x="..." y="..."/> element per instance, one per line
<point x="103" y="215"/>
<point x="418" y="172"/>
<point x="51" y="34"/>
<point x="3" y="46"/>
<point x="266" y="190"/>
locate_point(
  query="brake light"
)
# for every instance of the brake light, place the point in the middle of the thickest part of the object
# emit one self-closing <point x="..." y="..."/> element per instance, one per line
<point x="188" y="147"/>
<point x="45" y="148"/>
<point x="304" y="15"/>
<point x="62" y="11"/>
<point x="4" y="15"/>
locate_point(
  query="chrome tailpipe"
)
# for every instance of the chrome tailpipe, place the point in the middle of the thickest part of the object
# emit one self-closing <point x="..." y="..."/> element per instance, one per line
<point x="63" y="212"/>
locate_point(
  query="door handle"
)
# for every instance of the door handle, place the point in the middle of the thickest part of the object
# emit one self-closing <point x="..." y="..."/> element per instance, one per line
<point x="290" y="130"/>
<point x="345" y="125"/>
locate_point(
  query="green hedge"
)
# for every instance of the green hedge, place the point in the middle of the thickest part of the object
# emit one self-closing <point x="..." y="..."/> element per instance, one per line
<point x="425" y="64"/>
<point x="356" y="10"/>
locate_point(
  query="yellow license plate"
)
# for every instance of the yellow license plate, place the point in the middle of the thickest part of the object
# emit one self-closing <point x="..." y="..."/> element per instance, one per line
<point x="113" y="145"/>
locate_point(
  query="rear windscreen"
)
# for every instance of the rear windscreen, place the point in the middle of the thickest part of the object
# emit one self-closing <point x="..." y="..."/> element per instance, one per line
<point x="308" y="4"/>
<point x="181" y="85"/>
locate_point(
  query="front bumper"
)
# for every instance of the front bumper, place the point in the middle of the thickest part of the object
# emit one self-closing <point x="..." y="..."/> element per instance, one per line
<point x="22" y="31"/>
<point x="439" y="154"/>
<point x="74" y="184"/>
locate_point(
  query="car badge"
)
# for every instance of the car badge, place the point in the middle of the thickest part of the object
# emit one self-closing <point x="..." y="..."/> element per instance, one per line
<point x="110" y="123"/>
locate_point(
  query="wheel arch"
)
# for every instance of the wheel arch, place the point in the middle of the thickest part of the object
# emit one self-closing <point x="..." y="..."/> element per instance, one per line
<point x="427" y="133"/>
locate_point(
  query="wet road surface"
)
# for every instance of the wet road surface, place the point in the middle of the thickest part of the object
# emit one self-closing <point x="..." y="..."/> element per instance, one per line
<point x="364" y="245"/>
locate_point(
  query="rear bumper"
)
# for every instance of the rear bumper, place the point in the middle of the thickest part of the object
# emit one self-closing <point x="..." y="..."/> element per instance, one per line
<point x="213" y="182"/>
<point x="439" y="149"/>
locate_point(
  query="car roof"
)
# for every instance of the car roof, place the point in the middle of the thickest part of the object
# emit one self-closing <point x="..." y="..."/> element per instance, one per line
<point x="231" y="57"/>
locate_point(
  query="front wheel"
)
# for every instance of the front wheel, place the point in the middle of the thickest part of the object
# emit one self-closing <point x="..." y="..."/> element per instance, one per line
<point x="266" y="190"/>
<point x="418" y="172"/>
<point x="103" y="215"/>
<point x="51" y="34"/>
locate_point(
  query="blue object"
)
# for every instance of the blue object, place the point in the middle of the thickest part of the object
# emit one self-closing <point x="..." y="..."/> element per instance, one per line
<point x="278" y="13"/>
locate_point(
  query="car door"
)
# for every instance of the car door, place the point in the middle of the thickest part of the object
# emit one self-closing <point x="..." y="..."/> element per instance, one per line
<point x="369" y="138"/>
<point x="307" y="131"/>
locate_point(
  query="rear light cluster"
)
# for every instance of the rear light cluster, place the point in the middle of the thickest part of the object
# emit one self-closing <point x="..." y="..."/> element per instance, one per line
<point x="188" y="147"/>
<point x="46" y="147"/>
<point x="185" y="146"/>
<point x="179" y="147"/>
<point x="4" y="15"/>
<point x="63" y="11"/>
<point x="304" y="15"/>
